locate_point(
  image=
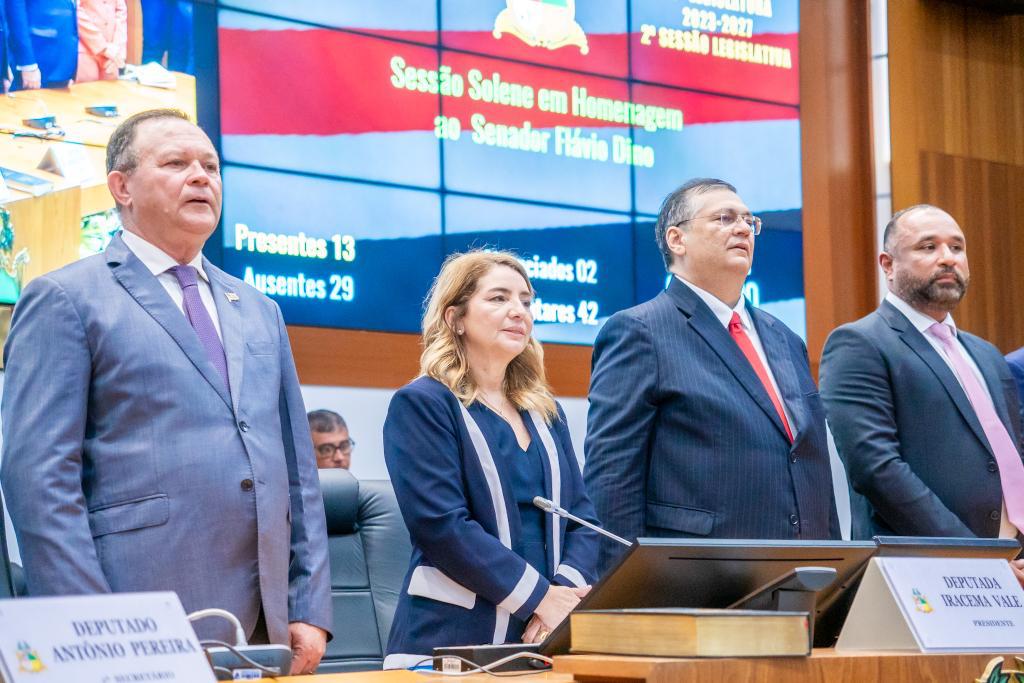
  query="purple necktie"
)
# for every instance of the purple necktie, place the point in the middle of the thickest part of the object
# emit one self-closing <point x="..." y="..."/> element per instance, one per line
<point x="197" y="314"/>
<point x="1011" y="470"/>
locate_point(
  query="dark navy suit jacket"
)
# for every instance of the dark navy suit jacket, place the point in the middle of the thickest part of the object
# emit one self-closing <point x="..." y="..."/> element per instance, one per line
<point x="683" y="440"/>
<point x="910" y="440"/>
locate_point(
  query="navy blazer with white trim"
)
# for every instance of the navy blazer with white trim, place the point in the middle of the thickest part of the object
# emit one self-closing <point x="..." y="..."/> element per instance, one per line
<point x="465" y="584"/>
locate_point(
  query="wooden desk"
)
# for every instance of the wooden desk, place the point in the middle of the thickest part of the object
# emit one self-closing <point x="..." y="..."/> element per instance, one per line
<point x="50" y="225"/>
<point x="402" y="676"/>
<point x="823" y="666"/>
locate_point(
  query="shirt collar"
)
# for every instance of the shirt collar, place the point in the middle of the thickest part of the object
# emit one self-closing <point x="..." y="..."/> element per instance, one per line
<point x="155" y="259"/>
<point x="918" y="319"/>
<point x="720" y="308"/>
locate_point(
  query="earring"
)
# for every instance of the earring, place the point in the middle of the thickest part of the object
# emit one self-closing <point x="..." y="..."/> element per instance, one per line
<point x="459" y="331"/>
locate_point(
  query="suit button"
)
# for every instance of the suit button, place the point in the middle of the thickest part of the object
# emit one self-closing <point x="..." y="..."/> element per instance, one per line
<point x="792" y="458"/>
<point x="994" y="515"/>
<point x="247" y="485"/>
<point x="794" y="520"/>
<point x="244" y="426"/>
<point x="992" y="467"/>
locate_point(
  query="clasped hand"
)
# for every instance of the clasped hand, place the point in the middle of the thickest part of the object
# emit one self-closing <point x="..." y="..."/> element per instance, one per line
<point x="556" y="605"/>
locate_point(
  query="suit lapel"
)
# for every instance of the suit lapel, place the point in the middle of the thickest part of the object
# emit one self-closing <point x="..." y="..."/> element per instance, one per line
<point x="147" y="291"/>
<point x="916" y="341"/>
<point x="230" y="329"/>
<point x="780" y="361"/>
<point x="711" y="330"/>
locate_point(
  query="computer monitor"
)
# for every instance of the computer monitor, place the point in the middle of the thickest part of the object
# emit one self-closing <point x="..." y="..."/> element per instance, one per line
<point x="917" y="546"/>
<point x="715" y="573"/>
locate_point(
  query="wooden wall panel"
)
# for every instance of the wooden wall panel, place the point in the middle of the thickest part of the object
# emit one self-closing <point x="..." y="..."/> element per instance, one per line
<point x="838" y="187"/>
<point x="957" y="120"/>
<point x="378" y="359"/>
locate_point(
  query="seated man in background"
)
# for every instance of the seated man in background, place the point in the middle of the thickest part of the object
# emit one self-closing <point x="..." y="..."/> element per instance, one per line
<point x="704" y="418"/>
<point x="331" y="441"/>
<point x="925" y="416"/>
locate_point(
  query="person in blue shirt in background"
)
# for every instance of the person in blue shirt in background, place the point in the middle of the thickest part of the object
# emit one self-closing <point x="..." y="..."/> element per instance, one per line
<point x="43" y="42"/>
<point x="4" y="74"/>
<point x="468" y="445"/>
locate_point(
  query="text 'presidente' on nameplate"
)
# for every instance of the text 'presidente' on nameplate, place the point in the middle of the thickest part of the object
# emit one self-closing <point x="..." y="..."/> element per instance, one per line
<point x="936" y="605"/>
<point x="115" y="638"/>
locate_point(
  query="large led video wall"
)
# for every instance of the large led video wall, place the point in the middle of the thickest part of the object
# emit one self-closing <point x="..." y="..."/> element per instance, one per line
<point x="365" y="140"/>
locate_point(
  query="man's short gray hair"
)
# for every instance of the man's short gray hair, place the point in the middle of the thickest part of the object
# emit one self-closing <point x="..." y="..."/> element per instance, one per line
<point x="121" y="155"/>
<point x="678" y="208"/>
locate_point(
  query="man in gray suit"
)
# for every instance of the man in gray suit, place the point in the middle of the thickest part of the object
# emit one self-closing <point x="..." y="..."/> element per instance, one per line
<point x="154" y="436"/>
<point x="925" y="415"/>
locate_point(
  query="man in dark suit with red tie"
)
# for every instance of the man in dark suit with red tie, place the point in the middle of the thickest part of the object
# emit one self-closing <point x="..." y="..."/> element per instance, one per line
<point x="704" y="418"/>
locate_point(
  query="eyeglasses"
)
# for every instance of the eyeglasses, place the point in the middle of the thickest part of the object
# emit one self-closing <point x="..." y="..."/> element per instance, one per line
<point x="727" y="219"/>
<point x="327" y="450"/>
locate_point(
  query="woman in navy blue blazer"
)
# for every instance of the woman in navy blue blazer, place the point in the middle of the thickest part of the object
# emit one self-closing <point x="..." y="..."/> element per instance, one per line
<point x="468" y="445"/>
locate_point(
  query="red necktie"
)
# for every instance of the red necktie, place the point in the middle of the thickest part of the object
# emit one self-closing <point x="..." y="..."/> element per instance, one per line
<point x="743" y="341"/>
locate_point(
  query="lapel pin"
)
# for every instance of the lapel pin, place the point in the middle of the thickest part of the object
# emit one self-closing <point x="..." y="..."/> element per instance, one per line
<point x="231" y="296"/>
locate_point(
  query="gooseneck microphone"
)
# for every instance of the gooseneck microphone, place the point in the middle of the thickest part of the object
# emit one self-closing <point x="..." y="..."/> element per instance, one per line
<point x="549" y="507"/>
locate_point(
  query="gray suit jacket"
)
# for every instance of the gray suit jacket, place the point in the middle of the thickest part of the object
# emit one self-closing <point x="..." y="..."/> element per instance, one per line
<point x="127" y="466"/>
<point x="911" y="442"/>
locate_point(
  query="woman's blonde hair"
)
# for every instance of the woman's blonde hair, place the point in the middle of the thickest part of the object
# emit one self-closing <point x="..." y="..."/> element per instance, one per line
<point x="444" y="353"/>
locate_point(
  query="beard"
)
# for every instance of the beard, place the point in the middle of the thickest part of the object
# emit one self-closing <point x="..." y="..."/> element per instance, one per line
<point x="930" y="293"/>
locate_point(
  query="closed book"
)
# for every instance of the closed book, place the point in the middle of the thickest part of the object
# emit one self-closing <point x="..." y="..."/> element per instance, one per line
<point x="691" y="633"/>
<point x="25" y="182"/>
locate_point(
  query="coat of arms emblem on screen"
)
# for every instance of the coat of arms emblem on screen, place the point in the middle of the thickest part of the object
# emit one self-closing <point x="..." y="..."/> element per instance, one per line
<point x="542" y="23"/>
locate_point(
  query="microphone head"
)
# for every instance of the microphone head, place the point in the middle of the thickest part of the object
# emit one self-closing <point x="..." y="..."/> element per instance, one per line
<point x="544" y="504"/>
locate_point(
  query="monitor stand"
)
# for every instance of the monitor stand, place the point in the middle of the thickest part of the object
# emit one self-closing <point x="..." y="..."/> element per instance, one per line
<point x="794" y="591"/>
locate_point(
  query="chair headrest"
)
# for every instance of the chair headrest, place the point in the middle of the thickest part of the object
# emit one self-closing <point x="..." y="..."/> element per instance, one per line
<point x="341" y="500"/>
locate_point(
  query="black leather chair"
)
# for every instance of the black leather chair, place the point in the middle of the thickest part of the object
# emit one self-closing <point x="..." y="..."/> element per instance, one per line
<point x="369" y="550"/>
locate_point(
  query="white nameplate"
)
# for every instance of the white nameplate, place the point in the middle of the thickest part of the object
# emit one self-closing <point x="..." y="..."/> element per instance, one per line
<point x="5" y="192"/>
<point x="936" y="605"/>
<point x="69" y="161"/>
<point x="113" y="638"/>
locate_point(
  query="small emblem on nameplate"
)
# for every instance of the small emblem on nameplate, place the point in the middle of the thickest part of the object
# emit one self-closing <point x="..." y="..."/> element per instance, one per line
<point x="28" y="659"/>
<point x="921" y="603"/>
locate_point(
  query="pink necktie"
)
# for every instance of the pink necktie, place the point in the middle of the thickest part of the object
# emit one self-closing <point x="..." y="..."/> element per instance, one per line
<point x="1011" y="469"/>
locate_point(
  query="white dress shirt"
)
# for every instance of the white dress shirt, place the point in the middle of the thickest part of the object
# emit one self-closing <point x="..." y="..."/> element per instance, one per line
<point x="922" y="322"/>
<point x="157" y="262"/>
<point x="724" y="315"/>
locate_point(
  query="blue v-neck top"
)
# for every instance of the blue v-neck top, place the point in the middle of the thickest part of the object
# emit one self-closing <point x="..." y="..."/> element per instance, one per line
<point x="526" y="472"/>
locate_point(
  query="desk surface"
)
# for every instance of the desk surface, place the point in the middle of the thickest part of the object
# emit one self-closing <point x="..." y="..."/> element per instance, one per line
<point x="402" y="676"/>
<point x="68" y="105"/>
<point x="822" y="666"/>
